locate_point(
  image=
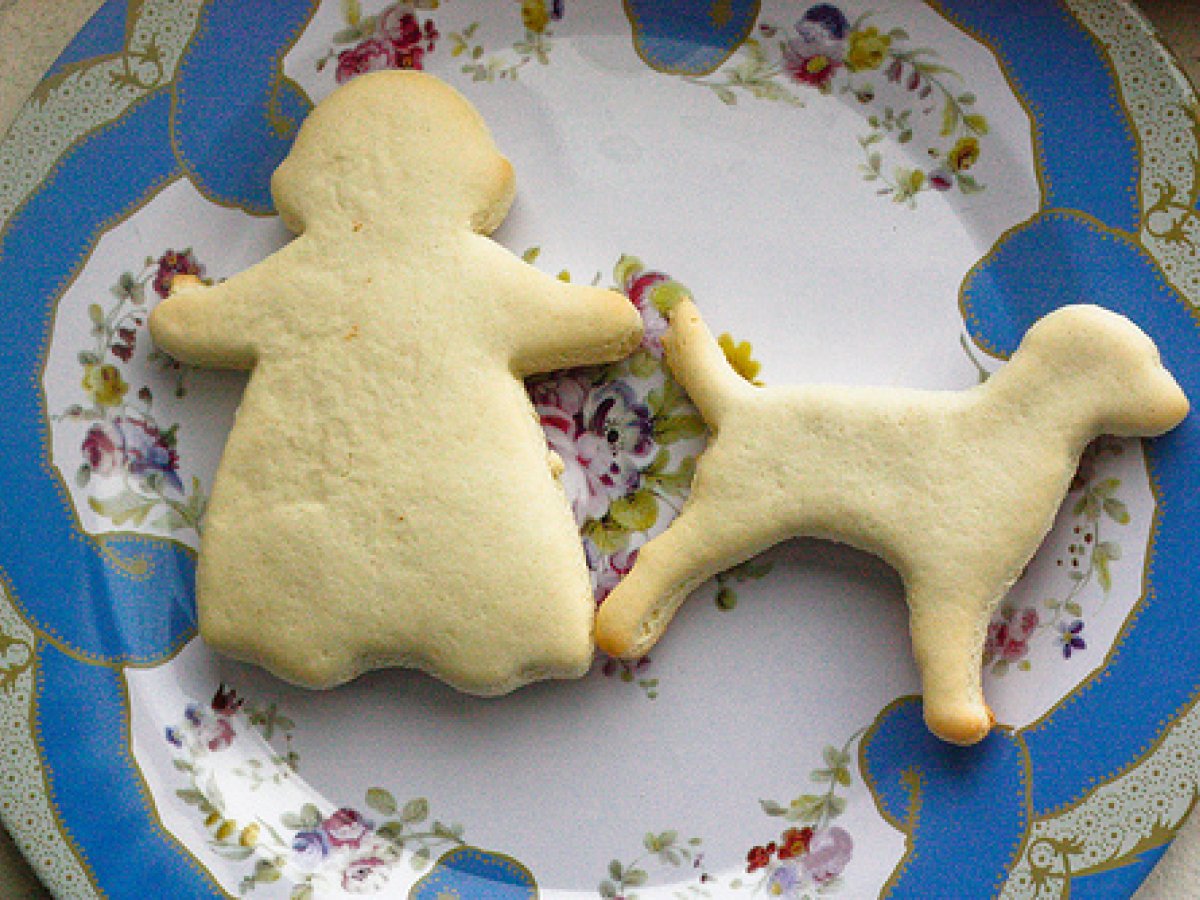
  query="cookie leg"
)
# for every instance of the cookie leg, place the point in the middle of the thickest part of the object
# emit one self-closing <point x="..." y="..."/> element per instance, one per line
<point x="947" y="644"/>
<point x="707" y="538"/>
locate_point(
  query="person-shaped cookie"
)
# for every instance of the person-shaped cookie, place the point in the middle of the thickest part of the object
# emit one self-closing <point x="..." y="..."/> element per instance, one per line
<point x="386" y="496"/>
<point x="955" y="490"/>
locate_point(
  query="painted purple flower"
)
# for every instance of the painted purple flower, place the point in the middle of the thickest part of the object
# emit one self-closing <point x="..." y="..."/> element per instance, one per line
<point x="174" y="737"/>
<point x="787" y="880"/>
<point x="311" y="847"/>
<point x="603" y="435"/>
<point x="346" y="827"/>
<point x="148" y="450"/>
<point x="1069" y="635"/>
<point x="365" y="875"/>
<point x="828" y="854"/>
<point x="615" y="441"/>
<point x="816" y="51"/>
<point x="370" y="55"/>
<point x="172" y="263"/>
<point x="102" y="448"/>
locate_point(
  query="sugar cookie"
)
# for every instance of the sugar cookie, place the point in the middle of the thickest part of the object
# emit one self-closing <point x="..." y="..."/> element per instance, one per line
<point x="386" y="496"/>
<point x="955" y="490"/>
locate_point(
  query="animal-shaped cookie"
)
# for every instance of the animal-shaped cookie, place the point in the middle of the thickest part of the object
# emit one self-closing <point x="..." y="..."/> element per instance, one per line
<point x="386" y="496"/>
<point x="955" y="490"/>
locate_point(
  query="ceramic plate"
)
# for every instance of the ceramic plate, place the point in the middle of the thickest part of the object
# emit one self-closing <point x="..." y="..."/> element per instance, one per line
<point x="860" y="193"/>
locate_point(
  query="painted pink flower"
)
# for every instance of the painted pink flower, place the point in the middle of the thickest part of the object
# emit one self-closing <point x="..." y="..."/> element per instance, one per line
<point x="559" y="403"/>
<point x="172" y="263"/>
<point x="828" y="854"/>
<point x="102" y="448"/>
<point x="608" y="569"/>
<point x="365" y="875"/>
<point x="639" y="289"/>
<point x="370" y="55"/>
<point x="603" y="434"/>
<point x="346" y="827"/>
<point x="217" y="734"/>
<point x="1008" y="634"/>
<point x="399" y="25"/>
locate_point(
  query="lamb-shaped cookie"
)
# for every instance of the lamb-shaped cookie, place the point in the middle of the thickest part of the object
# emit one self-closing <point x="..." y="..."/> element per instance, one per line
<point x="386" y="496"/>
<point x="955" y="490"/>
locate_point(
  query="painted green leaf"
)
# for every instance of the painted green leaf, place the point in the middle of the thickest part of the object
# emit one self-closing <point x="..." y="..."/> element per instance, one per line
<point x="726" y="96"/>
<point x="310" y="816"/>
<point x="190" y="796"/>
<point x="95" y="313"/>
<point x="637" y="512"/>
<point x="349" y="35"/>
<point x="667" y="294"/>
<point x="967" y="99"/>
<point x="726" y="598"/>
<point x="87" y="358"/>
<point x="642" y="363"/>
<point x="608" y="890"/>
<point x="636" y="877"/>
<point x="669" y="429"/>
<point x="415" y="810"/>
<point x="615" y="869"/>
<point x="898" y="34"/>
<point x="843" y="776"/>
<point x="1000" y="669"/>
<point x="265" y="871"/>
<point x="531" y="254"/>
<point x="1103" y="573"/>
<point x="949" y="118"/>
<point x="1073" y="609"/>
<point x="976" y="123"/>
<point x="806" y="806"/>
<point x="1117" y="510"/>
<point x="837" y="806"/>
<point x="771" y="808"/>
<point x="126" y="507"/>
<point x="420" y="859"/>
<point x="627" y="269"/>
<point x="1109" y="549"/>
<point x="352" y="11"/>
<point x="381" y="801"/>
<point x="302" y="892"/>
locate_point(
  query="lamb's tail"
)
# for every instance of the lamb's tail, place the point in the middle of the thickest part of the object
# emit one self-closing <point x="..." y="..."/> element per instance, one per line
<point x="699" y="364"/>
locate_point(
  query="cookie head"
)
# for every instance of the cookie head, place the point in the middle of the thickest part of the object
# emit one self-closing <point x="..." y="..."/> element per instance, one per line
<point x="1132" y="392"/>
<point x="394" y="146"/>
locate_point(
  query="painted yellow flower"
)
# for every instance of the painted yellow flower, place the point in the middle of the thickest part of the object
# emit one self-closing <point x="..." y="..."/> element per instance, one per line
<point x="867" y="49"/>
<point x="964" y="155"/>
<point x="104" y="383"/>
<point x="535" y="15"/>
<point x="739" y="356"/>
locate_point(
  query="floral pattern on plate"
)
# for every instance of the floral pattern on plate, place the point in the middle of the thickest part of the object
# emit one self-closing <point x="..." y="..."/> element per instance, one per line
<point x="354" y="850"/>
<point x="1094" y="506"/>
<point x="806" y="860"/>
<point x="129" y="459"/>
<point x="915" y="104"/>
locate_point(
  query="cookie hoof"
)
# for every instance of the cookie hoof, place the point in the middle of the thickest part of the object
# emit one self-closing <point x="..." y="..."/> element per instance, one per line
<point x="963" y="726"/>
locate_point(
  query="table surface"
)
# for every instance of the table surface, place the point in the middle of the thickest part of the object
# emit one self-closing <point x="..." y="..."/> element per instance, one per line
<point x="33" y="32"/>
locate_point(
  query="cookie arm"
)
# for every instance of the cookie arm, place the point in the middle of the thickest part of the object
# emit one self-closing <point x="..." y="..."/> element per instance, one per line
<point x="207" y="325"/>
<point x="553" y="324"/>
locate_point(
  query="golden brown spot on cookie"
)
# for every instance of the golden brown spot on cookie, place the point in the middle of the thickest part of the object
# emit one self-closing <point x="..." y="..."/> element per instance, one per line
<point x="351" y="334"/>
<point x="356" y="227"/>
